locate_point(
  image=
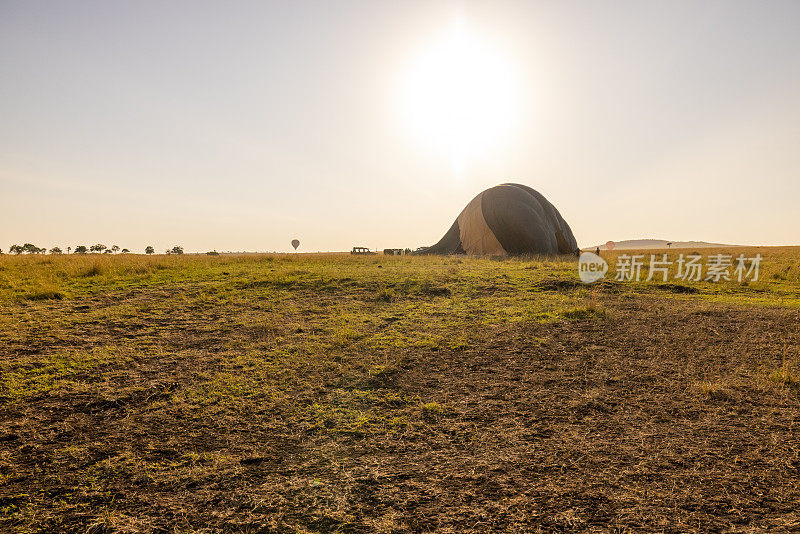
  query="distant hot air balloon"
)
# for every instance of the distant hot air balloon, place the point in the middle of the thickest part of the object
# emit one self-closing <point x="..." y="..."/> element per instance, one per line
<point x="610" y="245"/>
<point x="295" y="243"/>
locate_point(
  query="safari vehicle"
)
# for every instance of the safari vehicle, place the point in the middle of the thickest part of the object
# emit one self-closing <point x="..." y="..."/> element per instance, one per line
<point x="361" y="250"/>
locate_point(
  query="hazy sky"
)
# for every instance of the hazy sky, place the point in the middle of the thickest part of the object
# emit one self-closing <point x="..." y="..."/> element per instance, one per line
<point x="242" y="125"/>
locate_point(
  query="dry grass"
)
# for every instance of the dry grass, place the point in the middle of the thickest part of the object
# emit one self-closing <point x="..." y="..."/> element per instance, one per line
<point x="400" y="394"/>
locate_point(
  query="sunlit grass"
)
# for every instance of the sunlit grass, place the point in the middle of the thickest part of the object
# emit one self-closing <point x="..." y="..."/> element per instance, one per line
<point x="316" y="346"/>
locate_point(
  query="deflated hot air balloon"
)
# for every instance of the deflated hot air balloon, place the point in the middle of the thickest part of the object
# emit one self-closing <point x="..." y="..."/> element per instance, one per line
<point x="295" y="243"/>
<point x="507" y="219"/>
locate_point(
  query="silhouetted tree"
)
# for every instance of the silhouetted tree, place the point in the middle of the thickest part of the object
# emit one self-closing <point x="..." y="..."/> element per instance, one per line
<point x="114" y="248"/>
<point x="55" y="250"/>
<point x="107" y="251"/>
<point x="81" y="249"/>
<point x="15" y="249"/>
<point x="177" y="249"/>
<point x="69" y="249"/>
<point x="149" y="250"/>
<point x="98" y="247"/>
<point x="30" y="248"/>
<point x="125" y="251"/>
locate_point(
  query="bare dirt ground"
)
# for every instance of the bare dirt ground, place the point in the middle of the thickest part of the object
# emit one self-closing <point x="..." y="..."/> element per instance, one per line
<point x="391" y="395"/>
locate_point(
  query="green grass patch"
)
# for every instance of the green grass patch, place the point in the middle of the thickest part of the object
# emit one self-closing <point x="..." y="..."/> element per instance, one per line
<point x="62" y="369"/>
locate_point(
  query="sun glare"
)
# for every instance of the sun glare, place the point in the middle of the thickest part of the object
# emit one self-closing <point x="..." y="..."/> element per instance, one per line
<point x="459" y="97"/>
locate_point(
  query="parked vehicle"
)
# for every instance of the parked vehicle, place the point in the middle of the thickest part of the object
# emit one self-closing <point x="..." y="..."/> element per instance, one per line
<point x="362" y="250"/>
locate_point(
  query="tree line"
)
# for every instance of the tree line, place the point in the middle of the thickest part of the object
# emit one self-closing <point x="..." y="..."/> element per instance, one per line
<point x="99" y="248"/>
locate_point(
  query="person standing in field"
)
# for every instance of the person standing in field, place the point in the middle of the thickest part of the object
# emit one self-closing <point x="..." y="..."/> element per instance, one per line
<point x="597" y="251"/>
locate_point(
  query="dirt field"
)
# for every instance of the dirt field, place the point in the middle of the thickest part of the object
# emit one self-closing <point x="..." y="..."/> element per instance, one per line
<point x="394" y="394"/>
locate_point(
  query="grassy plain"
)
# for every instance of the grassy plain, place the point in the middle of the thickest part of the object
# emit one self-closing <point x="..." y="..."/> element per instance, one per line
<point x="324" y="393"/>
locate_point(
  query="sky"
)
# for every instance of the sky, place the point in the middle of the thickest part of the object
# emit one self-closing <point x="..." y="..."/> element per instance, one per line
<point x="242" y="125"/>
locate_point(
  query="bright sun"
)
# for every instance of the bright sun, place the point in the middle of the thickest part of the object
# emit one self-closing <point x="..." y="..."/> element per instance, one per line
<point x="460" y="97"/>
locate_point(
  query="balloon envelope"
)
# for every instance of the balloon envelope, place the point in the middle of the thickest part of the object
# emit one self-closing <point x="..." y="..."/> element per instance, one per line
<point x="507" y="219"/>
<point x="295" y="243"/>
<point x="610" y="245"/>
